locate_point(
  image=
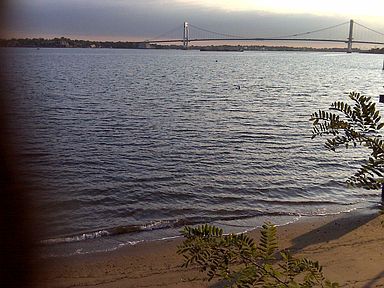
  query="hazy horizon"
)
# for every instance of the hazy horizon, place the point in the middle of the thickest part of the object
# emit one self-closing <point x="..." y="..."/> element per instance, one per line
<point x="119" y="20"/>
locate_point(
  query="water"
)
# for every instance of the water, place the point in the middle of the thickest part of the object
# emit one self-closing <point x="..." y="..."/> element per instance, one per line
<point x="130" y="145"/>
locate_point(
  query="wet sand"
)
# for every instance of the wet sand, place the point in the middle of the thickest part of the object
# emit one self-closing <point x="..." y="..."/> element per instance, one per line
<point x="349" y="246"/>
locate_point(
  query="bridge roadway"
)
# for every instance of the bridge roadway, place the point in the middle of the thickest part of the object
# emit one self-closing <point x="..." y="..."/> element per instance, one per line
<point x="264" y="39"/>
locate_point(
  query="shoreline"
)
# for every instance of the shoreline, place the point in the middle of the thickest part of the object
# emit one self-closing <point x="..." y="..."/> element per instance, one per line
<point x="107" y="240"/>
<point x="349" y="246"/>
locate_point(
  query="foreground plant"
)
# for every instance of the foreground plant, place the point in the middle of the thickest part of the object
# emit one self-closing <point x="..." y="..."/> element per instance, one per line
<point x="356" y="124"/>
<point x="238" y="260"/>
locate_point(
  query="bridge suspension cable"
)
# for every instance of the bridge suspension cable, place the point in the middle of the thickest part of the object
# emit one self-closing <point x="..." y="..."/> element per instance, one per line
<point x="313" y="31"/>
<point x="217" y="33"/>
<point x="178" y="28"/>
<point x="370" y="29"/>
<point x="274" y="37"/>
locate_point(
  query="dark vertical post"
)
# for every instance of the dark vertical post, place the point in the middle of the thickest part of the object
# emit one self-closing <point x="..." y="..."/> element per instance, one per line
<point x="382" y="193"/>
<point x="185" y="35"/>
<point x="381" y="100"/>
<point x="350" y="37"/>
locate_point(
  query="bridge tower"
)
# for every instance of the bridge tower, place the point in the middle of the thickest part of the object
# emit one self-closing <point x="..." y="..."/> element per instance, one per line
<point x="350" y="37"/>
<point x="186" y="36"/>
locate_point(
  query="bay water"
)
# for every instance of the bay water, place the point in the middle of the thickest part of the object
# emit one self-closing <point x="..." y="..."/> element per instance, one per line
<point x="122" y="146"/>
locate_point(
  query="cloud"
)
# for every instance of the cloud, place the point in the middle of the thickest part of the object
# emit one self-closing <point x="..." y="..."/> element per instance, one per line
<point x="114" y="18"/>
<point x="324" y="7"/>
<point x="126" y="20"/>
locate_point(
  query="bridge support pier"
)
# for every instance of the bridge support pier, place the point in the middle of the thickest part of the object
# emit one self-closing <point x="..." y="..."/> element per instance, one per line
<point x="350" y="37"/>
<point x="186" y="36"/>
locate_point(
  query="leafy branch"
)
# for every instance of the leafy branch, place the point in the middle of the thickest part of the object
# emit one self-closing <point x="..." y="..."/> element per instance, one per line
<point x="352" y="125"/>
<point x="237" y="259"/>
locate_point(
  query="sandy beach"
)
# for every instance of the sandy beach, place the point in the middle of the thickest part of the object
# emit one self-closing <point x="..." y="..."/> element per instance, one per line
<point x="349" y="246"/>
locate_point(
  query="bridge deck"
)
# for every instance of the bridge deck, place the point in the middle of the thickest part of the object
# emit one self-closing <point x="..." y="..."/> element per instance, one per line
<point x="264" y="39"/>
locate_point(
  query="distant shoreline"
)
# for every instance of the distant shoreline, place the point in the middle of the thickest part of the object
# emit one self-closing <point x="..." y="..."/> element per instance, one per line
<point x="71" y="43"/>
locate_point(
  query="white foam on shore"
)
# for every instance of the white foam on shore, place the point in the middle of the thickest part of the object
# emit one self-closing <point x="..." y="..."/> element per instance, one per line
<point x="97" y="244"/>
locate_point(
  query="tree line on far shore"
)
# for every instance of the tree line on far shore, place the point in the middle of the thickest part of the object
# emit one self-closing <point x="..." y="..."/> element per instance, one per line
<point x="377" y="50"/>
<point x="64" y="42"/>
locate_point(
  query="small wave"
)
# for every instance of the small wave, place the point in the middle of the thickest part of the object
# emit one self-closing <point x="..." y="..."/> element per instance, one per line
<point x="35" y="154"/>
<point x="81" y="251"/>
<point x="303" y="202"/>
<point x="76" y="238"/>
<point x="118" y="230"/>
<point x="194" y="220"/>
<point x="153" y="225"/>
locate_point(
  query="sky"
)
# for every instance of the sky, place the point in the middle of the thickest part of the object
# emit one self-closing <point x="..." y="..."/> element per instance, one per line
<point x="135" y="20"/>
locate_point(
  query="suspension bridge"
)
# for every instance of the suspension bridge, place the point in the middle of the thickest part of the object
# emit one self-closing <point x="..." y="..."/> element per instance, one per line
<point x="350" y="32"/>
